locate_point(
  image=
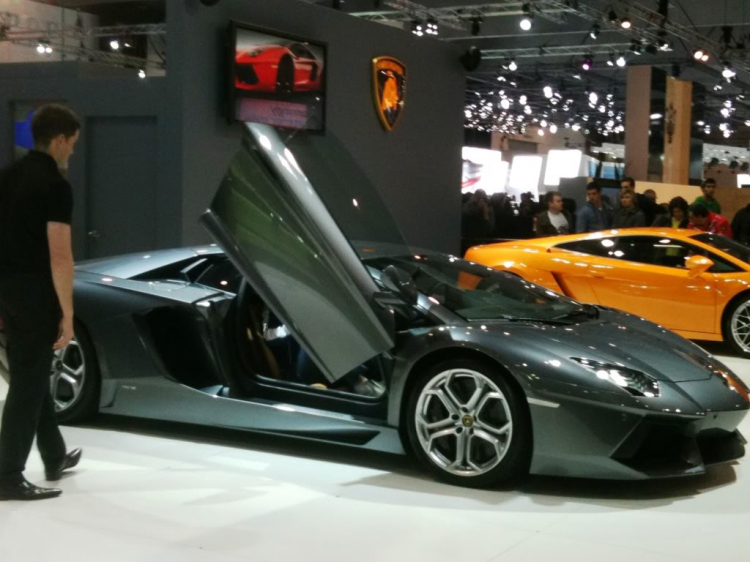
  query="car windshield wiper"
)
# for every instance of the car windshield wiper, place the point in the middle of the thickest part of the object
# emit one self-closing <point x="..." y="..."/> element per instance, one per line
<point x="554" y="321"/>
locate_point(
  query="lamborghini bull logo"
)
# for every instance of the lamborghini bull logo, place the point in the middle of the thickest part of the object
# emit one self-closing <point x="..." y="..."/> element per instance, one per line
<point x="389" y="85"/>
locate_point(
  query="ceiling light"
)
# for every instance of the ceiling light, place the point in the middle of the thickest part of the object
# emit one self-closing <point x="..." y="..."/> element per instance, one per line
<point x="476" y="25"/>
<point x="587" y="64"/>
<point x="548" y="91"/>
<point x="432" y="26"/>
<point x="747" y="123"/>
<point x="527" y="18"/>
<point x="114" y="45"/>
<point x="527" y="110"/>
<point x="698" y="54"/>
<point x="725" y="112"/>
<point x="512" y="66"/>
<point x="141" y="74"/>
<point x="621" y="61"/>
<point x="40" y="48"/>
<point x="593" y="98"/>
<point x="576" y="127"/>
<point x="594" y="33"/>
<point x="540" y="132"/>
<point x="701" y="123"/>
<point x="522" y="100"/>
<point x="625" y="23"/>
<point x="553" y="128"/>
<point x="728" y="72"/>
<point x="723" y="127"/>
<point x="655" y="116"/>
<point x="505" y="104"/>
<point x="611" y="60"/>
<point x="417" y="28"/>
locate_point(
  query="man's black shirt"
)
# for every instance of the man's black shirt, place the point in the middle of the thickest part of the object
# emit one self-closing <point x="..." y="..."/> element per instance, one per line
<point x="32" y="193"/>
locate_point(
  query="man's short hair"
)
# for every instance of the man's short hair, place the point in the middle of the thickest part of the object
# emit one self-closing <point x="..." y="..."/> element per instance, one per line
<point x="550" y="195"/>
<point x="628" y="180"/>
<point x="709" y="181"/>
<point x="593" y="185"/>
<point x="699" y="210"/>
<point x="51" y="121"/>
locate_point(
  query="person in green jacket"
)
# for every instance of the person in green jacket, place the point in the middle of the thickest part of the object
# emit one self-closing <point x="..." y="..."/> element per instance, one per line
<point x="707" y="199"/>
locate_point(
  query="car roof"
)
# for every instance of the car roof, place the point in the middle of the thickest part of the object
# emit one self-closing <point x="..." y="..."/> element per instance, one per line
<point x="132" y="265"/>
<point x="676" y="233"/>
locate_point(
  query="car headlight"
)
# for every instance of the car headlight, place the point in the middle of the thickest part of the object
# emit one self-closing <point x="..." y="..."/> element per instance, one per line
<point x="733" y="382"/>
<point x="636" y="383"/>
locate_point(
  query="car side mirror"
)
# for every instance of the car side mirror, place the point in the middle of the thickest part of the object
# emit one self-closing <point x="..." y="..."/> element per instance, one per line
<point x="698" y="264"/>
<point x="401" y="283"/>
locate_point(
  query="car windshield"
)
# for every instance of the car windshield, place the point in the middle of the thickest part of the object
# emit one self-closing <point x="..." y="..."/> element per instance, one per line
<point x="725" y="245"/>
<point x="475" y="292"/>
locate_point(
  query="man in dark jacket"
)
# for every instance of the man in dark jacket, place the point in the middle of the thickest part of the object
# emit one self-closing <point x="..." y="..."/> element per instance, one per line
<point x="741" y="226"/>
<point x="628" y="215"/>
<point x="651" y="209"/>
<point x="555" y="220"/>
<point x="596" y="214"/>
<point x="36" y="299"/>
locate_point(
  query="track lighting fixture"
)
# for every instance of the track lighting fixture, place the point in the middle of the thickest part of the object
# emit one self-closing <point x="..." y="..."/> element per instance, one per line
<point x="625" y="23"/>
<point x="594" y="33"/>
<point x="527" y="18"/>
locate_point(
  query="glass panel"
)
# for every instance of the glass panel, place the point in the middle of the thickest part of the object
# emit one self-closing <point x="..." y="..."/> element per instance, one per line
<point x="272" y="223"/>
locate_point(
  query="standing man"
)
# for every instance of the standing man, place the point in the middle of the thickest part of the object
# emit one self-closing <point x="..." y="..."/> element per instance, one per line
<point x="708" y="198"/>
<point x="555" y="220"/>
<point x="701" y="218"/>
<point x="651" y="209"/>
<point x="628" y="215"/>
<point x="36" y="299"/>
<point x="595" y="214"/>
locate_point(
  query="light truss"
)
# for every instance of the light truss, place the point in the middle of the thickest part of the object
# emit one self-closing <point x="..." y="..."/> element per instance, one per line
<point x="457" y="16"/>
<point x="63" y="39"/>
<point x="555" y="51"/>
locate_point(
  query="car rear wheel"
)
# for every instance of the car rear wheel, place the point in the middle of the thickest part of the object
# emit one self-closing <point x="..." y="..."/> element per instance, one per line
<point x="468" y="425"/>
<point x="74" y="379"/>
<point x="737" y="326"/>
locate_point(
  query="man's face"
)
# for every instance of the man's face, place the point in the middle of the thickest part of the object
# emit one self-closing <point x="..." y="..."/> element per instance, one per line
<point x="594" y="196"/>
<point x="626" y="200"/>
<point x="678" y="214"/>
<point x="61" y="149"/>
<point x="556" y="204"/>
<point x="700" y="222"/>
<point x="708" y="190"/>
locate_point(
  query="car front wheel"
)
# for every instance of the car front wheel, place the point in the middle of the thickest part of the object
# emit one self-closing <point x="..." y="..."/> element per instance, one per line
<point x="468" y="425"/>
<point x="737" y="326"/>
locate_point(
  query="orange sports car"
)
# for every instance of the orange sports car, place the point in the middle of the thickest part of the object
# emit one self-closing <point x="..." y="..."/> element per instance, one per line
<point x="688" y="281"/>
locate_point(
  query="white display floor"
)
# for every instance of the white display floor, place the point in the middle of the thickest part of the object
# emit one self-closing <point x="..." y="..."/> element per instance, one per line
<point x="146" y="492"/>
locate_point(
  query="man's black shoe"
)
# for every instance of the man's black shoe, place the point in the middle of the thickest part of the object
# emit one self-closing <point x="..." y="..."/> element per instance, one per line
<point x="70" y="460"/>
<point x="26" y="491"/>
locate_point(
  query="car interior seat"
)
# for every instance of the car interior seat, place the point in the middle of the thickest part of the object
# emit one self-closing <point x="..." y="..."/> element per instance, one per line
<point x="263" y="359"/>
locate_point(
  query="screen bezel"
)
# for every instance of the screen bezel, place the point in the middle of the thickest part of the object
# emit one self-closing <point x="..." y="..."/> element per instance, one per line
<point x="234" y="27"/>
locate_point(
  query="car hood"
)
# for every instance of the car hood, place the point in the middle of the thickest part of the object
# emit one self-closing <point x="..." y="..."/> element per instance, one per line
<point x="615" y="338"/>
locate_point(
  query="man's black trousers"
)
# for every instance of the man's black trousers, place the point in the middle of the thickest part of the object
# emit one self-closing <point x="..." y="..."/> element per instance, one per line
<point x="31" y="313"/>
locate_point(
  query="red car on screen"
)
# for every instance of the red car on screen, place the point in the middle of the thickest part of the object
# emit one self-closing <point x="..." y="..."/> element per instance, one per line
<point x="278" y="68"/>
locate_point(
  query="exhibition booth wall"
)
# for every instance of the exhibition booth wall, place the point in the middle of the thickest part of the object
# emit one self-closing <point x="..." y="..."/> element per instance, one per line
<point x="153" y="152"/>
<point x="416" y="166"/>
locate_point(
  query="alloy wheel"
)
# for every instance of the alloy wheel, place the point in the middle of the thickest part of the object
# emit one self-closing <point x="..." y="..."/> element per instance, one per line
<point x="741" y="326"/>
<point x="463" y="422"/>
<point x="67" y="376"/>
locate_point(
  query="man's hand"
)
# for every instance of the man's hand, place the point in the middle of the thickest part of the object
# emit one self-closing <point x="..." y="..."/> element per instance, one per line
<point x="65" y="334"/>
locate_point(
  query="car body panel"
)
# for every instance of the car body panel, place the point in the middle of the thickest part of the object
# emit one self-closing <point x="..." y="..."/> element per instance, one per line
<point x="280" y="235"/>
<point x="692" y="306"/>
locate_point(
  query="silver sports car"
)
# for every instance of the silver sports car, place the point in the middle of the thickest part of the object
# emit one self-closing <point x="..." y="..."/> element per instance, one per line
<point x="291" y="326"/>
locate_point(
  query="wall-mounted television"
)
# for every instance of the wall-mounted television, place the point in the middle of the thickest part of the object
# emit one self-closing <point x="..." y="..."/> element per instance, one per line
<point x="276" y="79"/>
